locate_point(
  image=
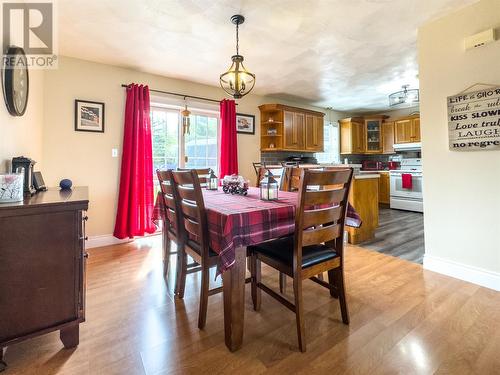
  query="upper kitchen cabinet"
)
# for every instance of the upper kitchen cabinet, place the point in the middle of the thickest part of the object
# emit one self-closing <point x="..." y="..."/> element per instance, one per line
<point x="352" y="136"/>
<point x="373" y="134"/>
<point x="294" y="130"/>
<point x="407" y="130"/>
<point x="388" y="137"/>
<point x="415" y="130"/>
<point x="285" y="128"/>
<point x="314" y="133"/>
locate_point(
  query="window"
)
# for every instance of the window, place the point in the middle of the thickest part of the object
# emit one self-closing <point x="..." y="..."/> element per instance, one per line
<point x="172" y="149"/>
<point x="200" y="146"/>
<point x="331" y="152"/>
<point x="165" y="130"/>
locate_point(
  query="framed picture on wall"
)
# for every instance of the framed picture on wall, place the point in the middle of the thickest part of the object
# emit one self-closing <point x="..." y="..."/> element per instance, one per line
<point x="245" y="124"/>
<point x="89" y="116"/>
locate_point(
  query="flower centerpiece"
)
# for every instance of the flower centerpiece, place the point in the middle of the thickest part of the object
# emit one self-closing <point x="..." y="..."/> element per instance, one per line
<point x="235" y="184"/>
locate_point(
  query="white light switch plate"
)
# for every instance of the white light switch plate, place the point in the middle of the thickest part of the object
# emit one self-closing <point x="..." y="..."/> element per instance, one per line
<point x="114" y="152"/>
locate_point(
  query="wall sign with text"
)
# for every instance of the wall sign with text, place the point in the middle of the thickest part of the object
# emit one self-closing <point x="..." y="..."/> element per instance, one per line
<point x="474" y="120"/>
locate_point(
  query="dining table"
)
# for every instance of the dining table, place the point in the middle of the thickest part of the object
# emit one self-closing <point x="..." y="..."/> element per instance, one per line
<point x="234" y="222"/>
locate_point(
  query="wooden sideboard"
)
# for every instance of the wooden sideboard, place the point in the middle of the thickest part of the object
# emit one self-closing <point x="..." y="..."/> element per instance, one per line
<point x="285" y="128"/>
<point x="42" y="266"/>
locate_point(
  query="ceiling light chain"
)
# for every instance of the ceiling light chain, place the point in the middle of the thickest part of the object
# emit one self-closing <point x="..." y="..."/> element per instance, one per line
<point x="237" y="39"/>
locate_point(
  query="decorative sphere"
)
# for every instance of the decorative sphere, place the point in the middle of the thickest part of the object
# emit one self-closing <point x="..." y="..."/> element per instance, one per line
<point x="66" y="184"/>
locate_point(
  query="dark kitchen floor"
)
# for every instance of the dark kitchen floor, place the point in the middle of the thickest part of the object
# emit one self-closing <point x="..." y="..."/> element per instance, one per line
<point x="400" y="234"/>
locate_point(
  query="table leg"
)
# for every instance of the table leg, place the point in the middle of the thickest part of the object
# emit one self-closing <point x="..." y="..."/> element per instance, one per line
<point x="234" y="301"/>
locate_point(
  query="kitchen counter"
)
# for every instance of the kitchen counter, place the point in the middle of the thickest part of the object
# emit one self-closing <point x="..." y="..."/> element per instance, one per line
<point x="362" y="176"/>
<point x="326" y="165"/>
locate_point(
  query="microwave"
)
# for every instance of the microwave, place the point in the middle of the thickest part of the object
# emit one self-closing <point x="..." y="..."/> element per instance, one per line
<point x="372" y="165"/>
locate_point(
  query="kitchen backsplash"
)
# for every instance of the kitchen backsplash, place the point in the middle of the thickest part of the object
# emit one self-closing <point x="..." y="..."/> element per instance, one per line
<point x="279" y="156"/>
<point x="357" y="159"/>
<point x="276" y="157"/>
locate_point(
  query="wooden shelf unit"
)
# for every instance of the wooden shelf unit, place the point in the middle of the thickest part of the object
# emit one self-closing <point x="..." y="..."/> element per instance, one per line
<point x="271" y="118"/>
<point x="297" y="129"/>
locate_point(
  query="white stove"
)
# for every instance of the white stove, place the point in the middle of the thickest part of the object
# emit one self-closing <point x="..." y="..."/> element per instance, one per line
<point x="409" y="199"/>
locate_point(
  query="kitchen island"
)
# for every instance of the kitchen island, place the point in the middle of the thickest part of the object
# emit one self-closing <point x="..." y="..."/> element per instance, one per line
<point x="364" y="197"/>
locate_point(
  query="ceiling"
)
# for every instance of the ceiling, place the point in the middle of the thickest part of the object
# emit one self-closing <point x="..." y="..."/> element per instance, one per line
<point x="345" y="54"/>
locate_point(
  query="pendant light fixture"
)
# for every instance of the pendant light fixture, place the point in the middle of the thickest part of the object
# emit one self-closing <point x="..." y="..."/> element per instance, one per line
<point x="405" y="96"/>
<point x="186" y="121"/>
<point x="237" y="81"/>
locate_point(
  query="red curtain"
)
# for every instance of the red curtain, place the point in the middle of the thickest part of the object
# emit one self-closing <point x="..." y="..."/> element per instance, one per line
<point x="135" y="201"/>
<point x="228" y="163"/>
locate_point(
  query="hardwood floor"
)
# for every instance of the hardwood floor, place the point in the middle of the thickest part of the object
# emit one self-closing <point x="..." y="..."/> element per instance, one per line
<point x="400" y="234"/>
<point x="404" y="320"/>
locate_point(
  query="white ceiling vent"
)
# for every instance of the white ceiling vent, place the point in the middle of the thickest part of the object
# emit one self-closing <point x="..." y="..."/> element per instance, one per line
<point x="480" y="39"/>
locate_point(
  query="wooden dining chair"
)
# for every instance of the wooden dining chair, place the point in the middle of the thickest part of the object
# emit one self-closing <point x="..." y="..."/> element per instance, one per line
<point x="317" y="245"/>
<point x="171" y="223"/>
<point x="292" y="178"/>
<point x="291" y="182"/>
<point x="196" y="242"/>
<point x="256" y="166"/>
<point x="278" y="173"/>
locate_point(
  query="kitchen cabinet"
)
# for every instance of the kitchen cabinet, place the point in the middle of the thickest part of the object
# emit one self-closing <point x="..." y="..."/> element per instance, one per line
<point x="373" y="135"/>
<point x="352" y="135"/>
<point x="407" y="130"/>
<point x="314" y="133"/>
<point x="384" y="190"/>
<point x="285" y="128"/>
<point x="415" y="130"/>
<point x="388" y="137"/>
<point x="294" y="131"/>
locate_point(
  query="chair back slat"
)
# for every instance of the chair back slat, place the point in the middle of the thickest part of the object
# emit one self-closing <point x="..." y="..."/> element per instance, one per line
<point x="194" y="217"/>
<point x="172" y="217"/>
<point x="337" y="176"/>
<point x="201" y="172"/>
<point x="321" y="216"/>
<point x="194" y="228"/>
<point x="319" y="197"/>
<point x="320" y="234"/>
<point x="190" y="210"/>
<point x="323" y="200"/>
<point x="187" y="192"/>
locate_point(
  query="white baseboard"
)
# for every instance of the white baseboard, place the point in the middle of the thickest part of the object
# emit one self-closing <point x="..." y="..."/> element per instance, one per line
<point x="104" y="240"/>
<point x="475" y="275"/>
<point x="109" y="239"/>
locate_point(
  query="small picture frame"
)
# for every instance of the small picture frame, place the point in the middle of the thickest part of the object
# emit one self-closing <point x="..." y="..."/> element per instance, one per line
<point x="245" y="124"/>
<point x="89" y="116"/>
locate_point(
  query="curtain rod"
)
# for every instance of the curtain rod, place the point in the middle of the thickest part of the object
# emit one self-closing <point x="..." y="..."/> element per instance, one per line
<point x="182" y="95"/>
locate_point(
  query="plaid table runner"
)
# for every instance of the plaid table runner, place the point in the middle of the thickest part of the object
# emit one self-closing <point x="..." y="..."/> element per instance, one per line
<point x="235" y="220"/>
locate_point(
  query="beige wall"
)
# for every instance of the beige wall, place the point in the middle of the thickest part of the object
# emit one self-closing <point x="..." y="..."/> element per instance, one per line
<point x="23" y="135"/>
<point x="86" y="157"/>
<point x="461" y="189"/>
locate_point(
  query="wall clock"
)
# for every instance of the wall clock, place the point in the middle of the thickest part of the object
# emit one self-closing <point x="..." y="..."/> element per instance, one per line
<point x="15" y="81"/>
